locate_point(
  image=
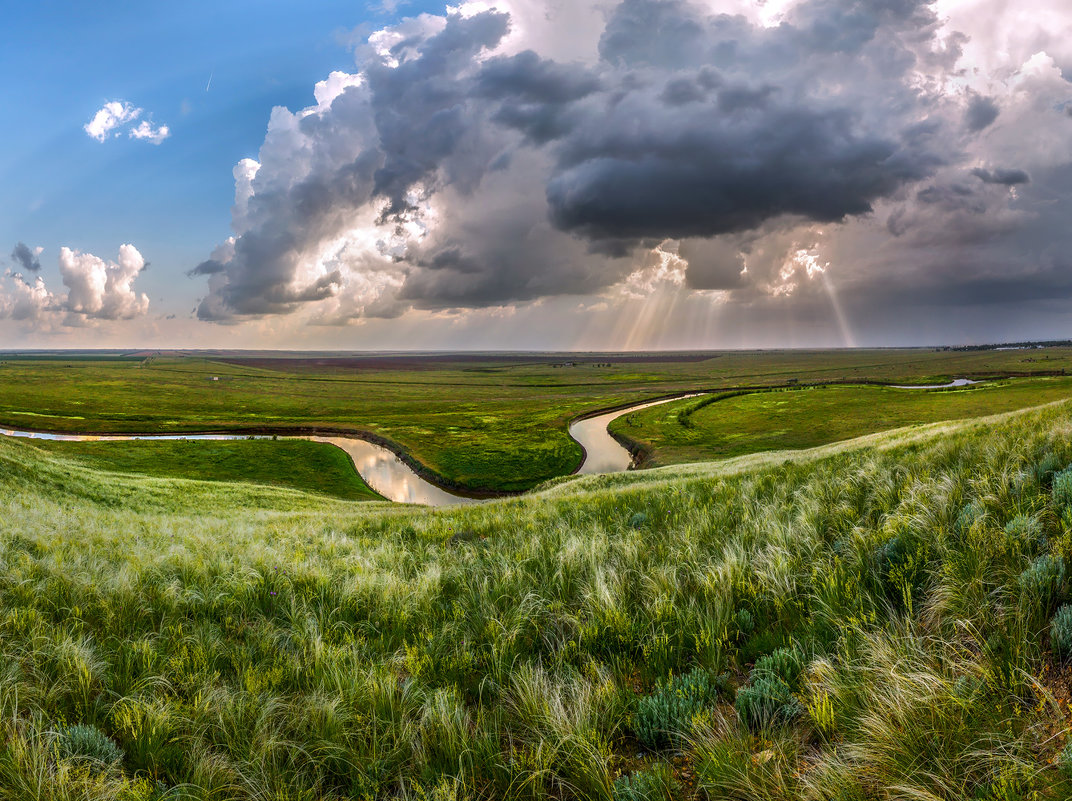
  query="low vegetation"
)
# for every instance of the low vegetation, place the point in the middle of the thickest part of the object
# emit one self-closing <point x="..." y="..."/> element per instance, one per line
<point x="297" y="464"/>
<point x="481" y="421"/>
<point x="722" y="425"/>
<point x="882" y="619"/>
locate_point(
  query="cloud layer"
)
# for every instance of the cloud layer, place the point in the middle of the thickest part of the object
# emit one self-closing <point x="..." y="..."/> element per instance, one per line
<point x="770" y="155"/>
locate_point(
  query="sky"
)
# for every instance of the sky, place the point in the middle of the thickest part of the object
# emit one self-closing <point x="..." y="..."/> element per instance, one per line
<point x="535" y="174"/>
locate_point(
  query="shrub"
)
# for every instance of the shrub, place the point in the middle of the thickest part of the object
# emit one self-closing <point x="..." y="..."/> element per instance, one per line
<point x="764" y="701"/>
<point x="1061" y="632"/>
<point x="88" y="744"/>
<point x="902" y="564"/>
<point x="1043" y="581"/>
<point x="1064" y="761"/>
<point x="1045" y="469"/>
<point x="745" y="622"/>
<point x="638" y="520"/>
<point x="969" y="514"/>
<point x="1062" y="487"/>
<point x="668" y="713"/>
<point x="783" y="663"/>
<point x="1025" y="530"/>
<point x="768" y="698"/>
<point x="654" y="784"/>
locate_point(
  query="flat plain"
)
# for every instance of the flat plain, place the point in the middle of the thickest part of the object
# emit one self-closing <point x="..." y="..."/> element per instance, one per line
<point x="480" y="421"/>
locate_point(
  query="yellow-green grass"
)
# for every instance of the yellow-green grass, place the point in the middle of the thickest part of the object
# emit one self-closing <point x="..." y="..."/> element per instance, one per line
<point x="496" y="423"/>
<point x="250" y="643"/>
<point x="720" y="426"/>
<point x="296" y="464"/>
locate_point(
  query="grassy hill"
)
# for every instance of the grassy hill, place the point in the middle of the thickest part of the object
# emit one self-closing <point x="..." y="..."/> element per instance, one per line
<point x="866" y="620"/>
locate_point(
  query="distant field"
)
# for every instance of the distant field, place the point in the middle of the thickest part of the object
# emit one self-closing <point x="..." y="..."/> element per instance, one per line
<point x="716" y="427"/>
<point x="295" y="464"/>
<point x="482" y="421"/>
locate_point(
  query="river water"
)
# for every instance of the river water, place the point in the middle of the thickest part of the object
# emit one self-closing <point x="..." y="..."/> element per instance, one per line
<point x="603" y="453"/>
<point x="957" y="382"/>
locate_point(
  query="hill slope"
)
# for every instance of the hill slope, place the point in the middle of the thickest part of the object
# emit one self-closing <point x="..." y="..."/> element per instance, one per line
<point x="866" y="620"/>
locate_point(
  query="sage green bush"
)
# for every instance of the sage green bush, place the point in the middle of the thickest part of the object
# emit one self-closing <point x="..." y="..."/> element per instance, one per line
<point x="1061" y="632"/>
<point x="88" y="744"/>
<point x="655" y="783"/>
<point x="668" y="714"/>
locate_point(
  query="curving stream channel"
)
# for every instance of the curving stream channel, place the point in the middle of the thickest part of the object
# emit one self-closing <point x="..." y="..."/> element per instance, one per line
<point x="396" y="481"/>
<point x="387" y="474"/>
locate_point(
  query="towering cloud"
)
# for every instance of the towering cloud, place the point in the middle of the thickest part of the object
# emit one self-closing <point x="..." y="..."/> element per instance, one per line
<point x="460" y="166"/>
<point x="96" y="290"/>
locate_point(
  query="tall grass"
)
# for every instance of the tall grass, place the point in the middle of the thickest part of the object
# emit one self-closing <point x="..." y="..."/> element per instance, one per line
<point x="256" y="645"/>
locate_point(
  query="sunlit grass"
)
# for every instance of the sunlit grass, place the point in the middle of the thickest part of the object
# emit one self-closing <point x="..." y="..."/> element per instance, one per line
<point x="235" y="642"/>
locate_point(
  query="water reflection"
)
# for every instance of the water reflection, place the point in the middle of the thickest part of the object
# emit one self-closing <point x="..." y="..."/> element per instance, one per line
<point x="957" y="382"/>
<point x="390" y="476"/>
<point x="604" y="454"/>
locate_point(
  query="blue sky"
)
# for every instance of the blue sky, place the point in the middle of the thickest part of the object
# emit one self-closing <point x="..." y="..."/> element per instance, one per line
<point x="63" y="60"/>
<point x="549" y="174"/>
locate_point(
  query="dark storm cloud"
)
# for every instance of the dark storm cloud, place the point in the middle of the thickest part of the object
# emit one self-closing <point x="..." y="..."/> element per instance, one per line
<point x="735" y="176"/>
<point x="419" y="105"/>
<point x="535" y="95"/>
<point x="680" y="91"/>
<point x="544" y="176"/>
<point x="207" y="267"/>
<point x="1002" y="177"/>
<point x="759" y="151"/>
<point x="527" y="78"/>
<point x="25" y="257"/>
<point x="981" y="113"/>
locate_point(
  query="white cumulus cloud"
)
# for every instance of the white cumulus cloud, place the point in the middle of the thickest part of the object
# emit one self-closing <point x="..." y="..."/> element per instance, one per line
<point x="96" y="290"/>
<point x="146" y="130"/>
<point x="103" y="290"/>
<point x="115" y="114"/>
<point x="109" y="117"/>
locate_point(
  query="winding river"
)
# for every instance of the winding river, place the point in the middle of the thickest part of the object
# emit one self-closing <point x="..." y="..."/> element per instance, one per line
<point x="602" y="452"/>
<point x="392" y="478"/>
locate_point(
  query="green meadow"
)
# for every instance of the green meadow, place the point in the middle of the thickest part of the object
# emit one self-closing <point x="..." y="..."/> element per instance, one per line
<point x="883" y="618"/>
<point x="730" y="424"/>
<point x="307" y="466"/>
<point x="480" y="421"/>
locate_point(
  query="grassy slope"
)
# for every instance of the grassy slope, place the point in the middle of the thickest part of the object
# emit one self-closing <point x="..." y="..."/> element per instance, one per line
<point x="493" y="425"/>
<point x="697" y="430"/>
<point x="306" y="466"/>
<point x="353" y="651"/>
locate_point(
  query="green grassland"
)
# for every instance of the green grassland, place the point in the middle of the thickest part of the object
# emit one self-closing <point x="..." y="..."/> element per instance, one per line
<point x="297" y="464"/>
<point x="721" y="425"/>
<point x="496" y="423"/>
<point x="865" y="620"/>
